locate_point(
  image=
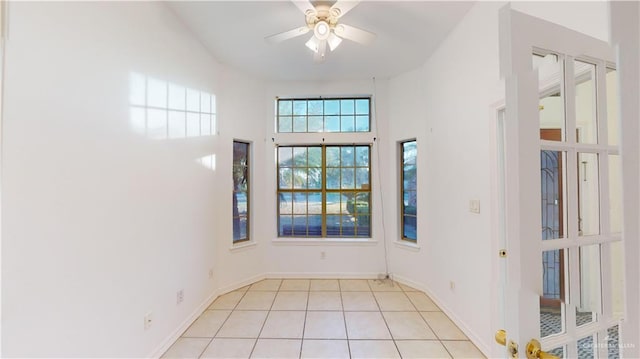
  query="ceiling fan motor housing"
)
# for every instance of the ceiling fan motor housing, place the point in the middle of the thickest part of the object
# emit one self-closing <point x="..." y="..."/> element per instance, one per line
<point x="323" y="13"/>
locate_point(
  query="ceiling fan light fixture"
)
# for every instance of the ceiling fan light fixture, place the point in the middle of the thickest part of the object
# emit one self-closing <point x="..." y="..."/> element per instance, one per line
<point x="322" y="30"/>
<point x="313" y="44"/>
<point x="334" y="41"/>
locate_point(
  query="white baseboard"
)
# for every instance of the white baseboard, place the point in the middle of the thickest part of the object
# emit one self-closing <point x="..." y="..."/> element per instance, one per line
<point x="326" y="275"/>
<point x="164" y="346"/>
<point x="242" y="283"/>
<point x="475" y="339"/>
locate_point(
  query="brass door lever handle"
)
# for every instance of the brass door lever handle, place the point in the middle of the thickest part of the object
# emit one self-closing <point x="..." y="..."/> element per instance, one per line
<point x="535" y="352"/>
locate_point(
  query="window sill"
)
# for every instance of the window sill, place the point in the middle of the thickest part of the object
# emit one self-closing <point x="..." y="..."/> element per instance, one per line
<point x="319" y="242"/>
<point x="242" y="245"/>
<point x="414" y="247"/>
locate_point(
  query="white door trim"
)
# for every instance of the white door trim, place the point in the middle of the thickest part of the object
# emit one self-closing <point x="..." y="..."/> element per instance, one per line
<point x="625" y="38"/>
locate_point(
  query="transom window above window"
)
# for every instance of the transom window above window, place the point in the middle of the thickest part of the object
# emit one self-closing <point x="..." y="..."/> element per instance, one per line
<point x="324" y="115"/>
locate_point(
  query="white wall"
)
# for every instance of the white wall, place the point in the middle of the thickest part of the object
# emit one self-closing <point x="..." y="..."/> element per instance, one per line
<point x="342" y="258"/>
<point x="102" y="223"/>
<point x="240" y="115"/>
<point x="587" y="17"/>
<point x="446" y="105"/>
<point x="449" y="106"/>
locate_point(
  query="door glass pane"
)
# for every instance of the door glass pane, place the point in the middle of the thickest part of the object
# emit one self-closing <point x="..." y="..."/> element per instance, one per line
<point x="588" y="194"/>
<point x="613" y="343"/>
<point x="586" y="348"/>
<point x="584" y="316"/>
<point x="615" y="194"/>
<point x="558" y="351"/>
<point x="586" y="123"/>
<point x="550" y="69"/>
<point x="613" y="127"/>
<point x="552" y="307"/>
<point x="552" y="191"/>
<point x="590" y="288"/>
<point x="617" y="279"/>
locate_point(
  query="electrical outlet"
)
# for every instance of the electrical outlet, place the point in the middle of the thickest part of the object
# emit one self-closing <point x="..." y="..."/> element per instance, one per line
<point x="323" y="255"/>
<point x="210" y="273"/>
<point x="180" y="296"/>
<point x="148" y="319"/>
<point x="452" y="285"/>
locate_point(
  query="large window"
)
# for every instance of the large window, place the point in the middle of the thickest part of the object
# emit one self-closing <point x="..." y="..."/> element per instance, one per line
<point x="324" y="115"/>
<point x="324" y="191"/>
<point x="240" y="191"/>
<point x="409" y="190"/>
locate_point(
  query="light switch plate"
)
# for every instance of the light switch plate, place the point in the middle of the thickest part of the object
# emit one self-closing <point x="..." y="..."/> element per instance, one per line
<point x="474" y="206"/>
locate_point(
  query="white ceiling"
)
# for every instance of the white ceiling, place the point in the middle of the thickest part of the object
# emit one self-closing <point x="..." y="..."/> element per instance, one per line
<point x="407" y="34"/>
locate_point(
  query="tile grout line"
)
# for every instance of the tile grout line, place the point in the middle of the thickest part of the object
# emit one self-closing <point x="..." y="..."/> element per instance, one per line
<point x="427" y="323"/>
<point x="387" y="324"/>
<point x="430" y="327"/>
<point x="265" y="319"/>
<point x="304" y="322"/>
<point x="344" y="318"/>
<point x="221" y="325"/>
<point x="417" y="311"/>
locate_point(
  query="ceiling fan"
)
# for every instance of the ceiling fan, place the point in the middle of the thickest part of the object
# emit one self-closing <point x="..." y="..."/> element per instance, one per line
<point x="322" y="20"/>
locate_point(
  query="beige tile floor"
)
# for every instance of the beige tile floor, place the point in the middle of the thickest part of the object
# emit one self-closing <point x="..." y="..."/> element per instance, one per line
<point x="323" y="318"/>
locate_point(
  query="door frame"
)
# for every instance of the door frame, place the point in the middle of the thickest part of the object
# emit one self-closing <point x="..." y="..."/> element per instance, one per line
<point x="624" y="20"/>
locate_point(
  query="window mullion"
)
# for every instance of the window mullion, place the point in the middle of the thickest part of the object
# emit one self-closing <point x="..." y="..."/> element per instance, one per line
<point x="324" y="192"/>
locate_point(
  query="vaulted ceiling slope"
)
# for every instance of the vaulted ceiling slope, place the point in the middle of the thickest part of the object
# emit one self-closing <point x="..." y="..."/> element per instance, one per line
<point x="407" y="34"/>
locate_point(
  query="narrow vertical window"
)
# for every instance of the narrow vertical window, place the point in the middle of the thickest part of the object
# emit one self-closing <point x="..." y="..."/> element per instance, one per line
<point x="241" y="191"/>
<point x="409" y="190"/>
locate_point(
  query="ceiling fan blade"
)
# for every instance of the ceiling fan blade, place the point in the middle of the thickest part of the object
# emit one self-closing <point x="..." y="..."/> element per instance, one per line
<point x="274" y="39"/>
<point x="319" y="56"/>
<point x="343" y="7"/>
<point x="355" y="34"/>
<point x="305" y="6"/>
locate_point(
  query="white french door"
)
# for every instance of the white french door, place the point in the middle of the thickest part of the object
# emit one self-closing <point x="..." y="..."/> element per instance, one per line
<point x="563" y="207"/>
